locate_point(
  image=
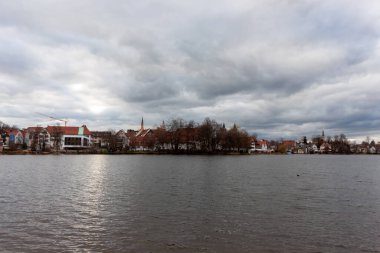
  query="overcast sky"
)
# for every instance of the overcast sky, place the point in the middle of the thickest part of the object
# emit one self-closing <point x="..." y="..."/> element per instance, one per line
<point x="276" y="68"/>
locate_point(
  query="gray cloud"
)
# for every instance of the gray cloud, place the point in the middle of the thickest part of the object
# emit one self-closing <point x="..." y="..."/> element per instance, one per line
<point x="278" y="68"/>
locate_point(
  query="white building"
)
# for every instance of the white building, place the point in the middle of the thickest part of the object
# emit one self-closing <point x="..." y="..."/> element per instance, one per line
<point x="70" y="137"/>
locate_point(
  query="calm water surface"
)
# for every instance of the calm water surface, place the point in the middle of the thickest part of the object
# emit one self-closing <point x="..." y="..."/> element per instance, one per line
<point x="165" y="203"/>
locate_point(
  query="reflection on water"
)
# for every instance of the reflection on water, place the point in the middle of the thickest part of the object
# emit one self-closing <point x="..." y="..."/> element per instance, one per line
<point x="91" y="196"/>
<point x="93" y="184"/>
<point x="190" y="203"/>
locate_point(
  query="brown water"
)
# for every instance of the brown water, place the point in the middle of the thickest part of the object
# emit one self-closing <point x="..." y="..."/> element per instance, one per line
<point x="190" y="203"/>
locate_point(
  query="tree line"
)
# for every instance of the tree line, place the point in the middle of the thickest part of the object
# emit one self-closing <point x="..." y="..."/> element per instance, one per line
<point x="209" y="136"/>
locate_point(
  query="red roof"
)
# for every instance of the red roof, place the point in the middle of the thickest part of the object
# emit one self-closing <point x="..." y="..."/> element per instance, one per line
<point x="262" y="142"/>
<point x="131" y="133"/>
<point x="289" y="143"/>
<point x="143" y="132"/>
<point x="69" y="130"/>
<point x="14" y="131"/>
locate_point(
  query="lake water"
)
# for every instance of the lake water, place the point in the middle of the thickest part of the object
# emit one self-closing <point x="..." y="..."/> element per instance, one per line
<point x="99" y="203"/>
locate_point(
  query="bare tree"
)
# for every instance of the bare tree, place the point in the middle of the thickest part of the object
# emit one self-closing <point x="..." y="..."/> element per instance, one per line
<point x="208" y="136"/>
<point x="340" y="144"/>
<point x="56" y="137"/>
<point x="237" y="139"/>
<point x="244" y="140"/>
<point x="112" y="140"/>
<point x="222" y="135"/>
<point x="4" y="126"/>
<point x="150" y="141"/>
<point x="161" y="136"/>
<point x="175" y="133"/>
<point x="190" y="135"/>
<point x="35" y="134"/>
<point x="133" y="142"/>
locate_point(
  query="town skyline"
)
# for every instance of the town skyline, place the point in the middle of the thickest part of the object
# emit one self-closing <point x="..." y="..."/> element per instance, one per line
<point x="185" y="123"/>
<point x="174" y="137"/>
<point x="280" y="69"/>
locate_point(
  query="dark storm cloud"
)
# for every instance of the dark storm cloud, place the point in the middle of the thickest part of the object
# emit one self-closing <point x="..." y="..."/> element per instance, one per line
<point x="275" y="67"/>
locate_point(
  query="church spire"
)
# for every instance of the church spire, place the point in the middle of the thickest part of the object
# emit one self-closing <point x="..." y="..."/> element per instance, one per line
<point x="142" y="123"/>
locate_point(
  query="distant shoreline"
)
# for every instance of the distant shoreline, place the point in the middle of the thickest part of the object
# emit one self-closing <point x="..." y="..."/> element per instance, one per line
<point x="23" y="152"/>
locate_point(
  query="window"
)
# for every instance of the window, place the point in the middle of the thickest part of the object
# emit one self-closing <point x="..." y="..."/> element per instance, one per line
<point x="73" y="141"/>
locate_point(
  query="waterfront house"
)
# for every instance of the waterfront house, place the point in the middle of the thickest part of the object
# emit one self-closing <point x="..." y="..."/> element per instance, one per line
<point x="325" y="148"/>
<point x="9" y="138"/>
<point x="141" y="140"/>
<point x="144" y="140"/>
<point x="363" y="149"/>
<point x="109" y="140"/>
<point x="130" y="134"/>
<point x="314" y="148"/>
<point x="122" y="139"/>
<point x="377" y="146"/>
<point x="372" y="150"/>
<point x="18" y="137"/>
<point x="300" y="151"/>
<point x="289" y="144"/>
<point x="253" y="146"/>
<point x="101" y="139"/>
<point x="13" y="139"/>
<point x="260" y="146"/>
<point x="37" y="138"/>
<point x="70" y="137"/>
